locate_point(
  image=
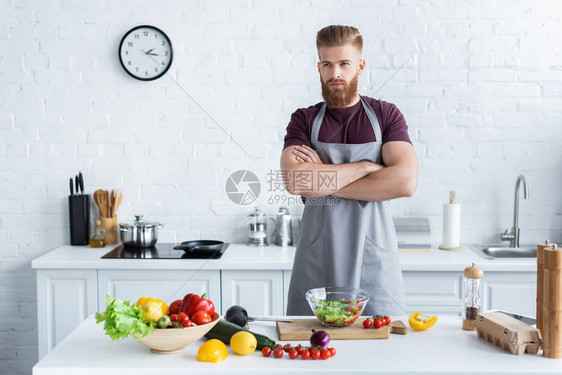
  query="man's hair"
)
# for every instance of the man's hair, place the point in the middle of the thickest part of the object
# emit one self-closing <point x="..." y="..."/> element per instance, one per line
<point x="338" y="35"/>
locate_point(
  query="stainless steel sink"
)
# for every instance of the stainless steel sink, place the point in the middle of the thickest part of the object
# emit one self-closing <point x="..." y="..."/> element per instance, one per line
<point x="498" y="251"/>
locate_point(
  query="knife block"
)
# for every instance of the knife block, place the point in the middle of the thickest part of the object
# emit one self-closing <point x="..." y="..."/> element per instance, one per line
<point x="79" y="214"/>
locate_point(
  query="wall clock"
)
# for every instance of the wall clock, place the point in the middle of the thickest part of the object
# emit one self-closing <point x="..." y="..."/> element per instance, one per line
<point x="146" y="52"/>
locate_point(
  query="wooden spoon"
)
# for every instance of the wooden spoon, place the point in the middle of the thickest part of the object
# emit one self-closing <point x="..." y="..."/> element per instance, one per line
<point x="118" y="199"/>
<point x="106" y="203"/>
<point x="98" y="199"/>
<point x="103" y="204"/>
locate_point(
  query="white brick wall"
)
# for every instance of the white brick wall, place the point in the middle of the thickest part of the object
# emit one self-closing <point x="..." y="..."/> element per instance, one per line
<point x="481" y="93"/>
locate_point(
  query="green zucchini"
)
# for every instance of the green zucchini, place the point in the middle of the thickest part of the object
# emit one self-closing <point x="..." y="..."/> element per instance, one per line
<point x="224" y="330"/>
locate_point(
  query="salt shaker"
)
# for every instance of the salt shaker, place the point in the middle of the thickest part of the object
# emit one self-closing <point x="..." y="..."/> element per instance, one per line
<point x="472" y="303"/>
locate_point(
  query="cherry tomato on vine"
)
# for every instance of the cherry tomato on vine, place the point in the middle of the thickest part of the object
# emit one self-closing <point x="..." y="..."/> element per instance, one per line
<point x="325" y="353"/>
<point x="377" y="323"/>
<point x="367" y="323"/>
<point x="287" y="348"/>
<point x="278" y="353"/>
<point x="315" y="354"/>
<point x="266" y="351"/>
<point x="293" y="354"/>
<point x="387" y="318"/>
<point x="305" y="354"/>
<point x="332" y="351"/>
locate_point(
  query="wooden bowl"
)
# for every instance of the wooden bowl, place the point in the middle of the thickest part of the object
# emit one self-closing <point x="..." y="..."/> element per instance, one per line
<point x="173" y="340"/>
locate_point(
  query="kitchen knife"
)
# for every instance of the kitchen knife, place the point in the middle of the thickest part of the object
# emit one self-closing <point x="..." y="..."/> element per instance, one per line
<point x="71" y="187"/>
<point x="81" y="182"/>
<point x="267" y="319"/>
<point x="525" y="319"/>
<point x="76" y="187"/>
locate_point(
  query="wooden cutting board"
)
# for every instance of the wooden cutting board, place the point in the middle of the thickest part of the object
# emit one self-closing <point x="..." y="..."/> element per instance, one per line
<point x="301" y="329"/>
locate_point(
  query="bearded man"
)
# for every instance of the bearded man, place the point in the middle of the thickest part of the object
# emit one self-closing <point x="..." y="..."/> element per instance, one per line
<point x="347" y="156"/>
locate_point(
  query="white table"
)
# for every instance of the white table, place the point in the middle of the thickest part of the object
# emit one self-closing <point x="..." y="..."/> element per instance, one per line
<point x="444" y="348"/>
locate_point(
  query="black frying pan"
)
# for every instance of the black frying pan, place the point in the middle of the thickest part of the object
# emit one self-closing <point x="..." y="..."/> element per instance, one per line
<point x="202" y="247"/>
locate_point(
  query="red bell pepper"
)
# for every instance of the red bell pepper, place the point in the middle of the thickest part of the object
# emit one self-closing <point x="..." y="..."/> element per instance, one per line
<point x="192" y="303"/>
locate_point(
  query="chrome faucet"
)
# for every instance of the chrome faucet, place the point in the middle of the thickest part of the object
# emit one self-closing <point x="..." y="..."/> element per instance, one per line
<point x="513" y="235"/>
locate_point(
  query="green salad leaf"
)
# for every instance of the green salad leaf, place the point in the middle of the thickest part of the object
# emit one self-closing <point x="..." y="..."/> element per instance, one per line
<point x="337" y="313"/>
<point x="122" y="319"/>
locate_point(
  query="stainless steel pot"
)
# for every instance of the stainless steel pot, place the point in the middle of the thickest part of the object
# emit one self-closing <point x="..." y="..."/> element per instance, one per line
<point x="140" y="233"/>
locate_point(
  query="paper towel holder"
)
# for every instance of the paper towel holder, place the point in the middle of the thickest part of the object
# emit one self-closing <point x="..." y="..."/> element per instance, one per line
<point x="445" y="246"/>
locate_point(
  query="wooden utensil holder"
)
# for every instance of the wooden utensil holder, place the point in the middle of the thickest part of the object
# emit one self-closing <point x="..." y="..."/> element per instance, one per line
<point x="109" y="225"/>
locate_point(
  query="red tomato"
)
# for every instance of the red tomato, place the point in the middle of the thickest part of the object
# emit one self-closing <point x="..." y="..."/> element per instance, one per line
<point x="377" y="323"/>
<point x="174" y="307"/>
<point x="185" y="322"/>
<point x="387" y="318"/>
<point x="287" y="348"/>
<point x="201" y="317"/>
<point x="315" y="354"/>
<point x="182" y="315"/>
<point x="367" y="323"/>
<point x="305" y="354"/>
<point x="293" y="354"/>
<point x="299" y="349"/>
<point x="326" y="354"/>
<point x="174" y="318"/>
<point x="266" y="351"/>
<point x="278" y="353"/>
<point x="332" y="351"/>
<point x="278" y="346"/>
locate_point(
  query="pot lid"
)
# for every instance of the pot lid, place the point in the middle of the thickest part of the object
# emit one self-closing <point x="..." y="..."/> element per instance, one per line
<point x="140" y="223"/>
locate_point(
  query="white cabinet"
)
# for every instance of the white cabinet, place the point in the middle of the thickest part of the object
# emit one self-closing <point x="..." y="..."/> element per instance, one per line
<point x="437" y="293"/>
<point x="167" y="285"/>
<point x="510" y="291"/>
<point x="64" y="299"/>
<point x="286" y="282"/>
<point x="260" y="292"/>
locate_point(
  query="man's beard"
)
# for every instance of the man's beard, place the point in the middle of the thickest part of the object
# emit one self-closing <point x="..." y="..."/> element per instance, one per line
<point x="340" y="98"/>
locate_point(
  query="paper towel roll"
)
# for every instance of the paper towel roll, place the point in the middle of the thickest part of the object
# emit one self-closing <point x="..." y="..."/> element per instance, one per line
<point x="451" y="226"/>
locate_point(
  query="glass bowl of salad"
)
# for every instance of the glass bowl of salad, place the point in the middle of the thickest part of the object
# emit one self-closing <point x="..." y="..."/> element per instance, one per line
<point x="337" y="306"/>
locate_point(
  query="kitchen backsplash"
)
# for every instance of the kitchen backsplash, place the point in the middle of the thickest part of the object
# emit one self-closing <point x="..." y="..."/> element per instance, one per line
<point x="479" y="83"/>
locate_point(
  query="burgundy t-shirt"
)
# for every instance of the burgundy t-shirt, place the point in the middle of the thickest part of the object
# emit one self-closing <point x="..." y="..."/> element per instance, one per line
<point x="347" y="125"/>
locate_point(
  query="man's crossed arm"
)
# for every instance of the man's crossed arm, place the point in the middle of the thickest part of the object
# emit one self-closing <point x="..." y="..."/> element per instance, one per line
<point x="363" y="180"/>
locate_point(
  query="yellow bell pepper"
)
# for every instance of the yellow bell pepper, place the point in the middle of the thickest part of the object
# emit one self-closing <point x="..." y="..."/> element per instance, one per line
<point x="419" y="321"/>
<point x="163" y="306"/>
<point x="212" y="351"/>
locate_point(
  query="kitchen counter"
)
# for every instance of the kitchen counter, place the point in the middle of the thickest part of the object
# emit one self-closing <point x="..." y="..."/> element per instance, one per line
<point x="444" y="348"/>
<point x="241" y="256"/>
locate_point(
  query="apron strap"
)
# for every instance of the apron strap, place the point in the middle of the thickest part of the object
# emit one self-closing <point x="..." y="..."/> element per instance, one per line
<point x="371" y="115"/>
<point x="373" y="119"/>
<point x="316" y="124"/>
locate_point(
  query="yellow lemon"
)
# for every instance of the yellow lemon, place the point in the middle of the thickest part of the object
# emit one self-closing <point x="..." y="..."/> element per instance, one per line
<point x="151" y="311"/>
<point x="212" y="351"/>
<point x="243" y="343"/>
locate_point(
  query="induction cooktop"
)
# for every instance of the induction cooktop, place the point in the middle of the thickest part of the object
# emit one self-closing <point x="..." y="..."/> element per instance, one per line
<point x="163" y="251"/>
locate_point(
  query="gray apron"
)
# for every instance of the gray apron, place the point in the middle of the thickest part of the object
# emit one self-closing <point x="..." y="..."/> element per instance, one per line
<point x="348" y="242"/>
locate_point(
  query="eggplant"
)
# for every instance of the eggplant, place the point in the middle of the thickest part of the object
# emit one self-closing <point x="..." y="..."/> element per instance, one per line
<point x="237" y="315"/>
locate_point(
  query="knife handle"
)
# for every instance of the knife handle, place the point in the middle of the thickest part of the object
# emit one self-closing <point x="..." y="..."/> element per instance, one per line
<point x="81" y="182"/>
<point x="71" y="187"/>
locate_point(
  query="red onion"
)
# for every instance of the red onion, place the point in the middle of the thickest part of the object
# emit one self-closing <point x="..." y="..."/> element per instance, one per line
<point x="319" y="338"/>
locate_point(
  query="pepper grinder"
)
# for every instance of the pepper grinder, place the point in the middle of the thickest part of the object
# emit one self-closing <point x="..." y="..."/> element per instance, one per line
<point x="257" y="234"/>
<point x="472" y="302"/>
